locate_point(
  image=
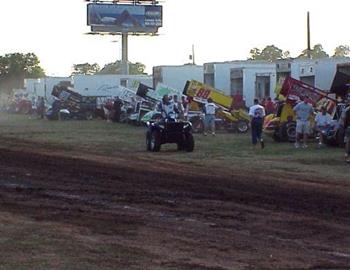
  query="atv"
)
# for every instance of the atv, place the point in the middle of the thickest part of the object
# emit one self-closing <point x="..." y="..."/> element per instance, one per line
<point x="169" y="131"/>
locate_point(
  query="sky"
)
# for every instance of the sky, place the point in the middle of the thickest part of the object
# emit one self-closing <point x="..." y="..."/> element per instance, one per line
<point x="221" y="30"/>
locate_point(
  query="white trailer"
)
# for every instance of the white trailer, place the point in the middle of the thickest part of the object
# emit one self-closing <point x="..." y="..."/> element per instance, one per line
<point x="250" y="79"/>
<point x="107" y="85"/>
<point x="317" y="72"/>
<point x="177" y="76"/>
<point x="42" y="87"/>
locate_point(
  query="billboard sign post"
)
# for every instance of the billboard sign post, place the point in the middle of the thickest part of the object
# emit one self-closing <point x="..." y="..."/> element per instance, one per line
<point x="124" y="19"/>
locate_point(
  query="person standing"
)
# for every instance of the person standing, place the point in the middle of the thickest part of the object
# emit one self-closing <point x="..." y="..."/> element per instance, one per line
<point x="345" y="122"/>
<point x="117" y="109"/>
<point x="184" y="108"/>
<point x="177" y="104"/>
<point x="209" y="121"/>
<point x="41" y="107"/>
<point x="108" y="108"/>
<point x="323" y="121"/>
<point x="257" y="115"/>
<point x="303" y="112"/>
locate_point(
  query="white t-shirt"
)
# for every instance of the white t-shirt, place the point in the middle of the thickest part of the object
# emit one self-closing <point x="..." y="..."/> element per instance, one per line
<point x="210" y="108"/>
<point x="257" y="111"/>
<point x="167" y="110"/>
<point x="323" y="120"/>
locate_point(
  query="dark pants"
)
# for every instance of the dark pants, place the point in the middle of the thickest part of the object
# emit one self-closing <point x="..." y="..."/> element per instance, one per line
<point x="116" y="116"/>
<point x="256" y="125"/>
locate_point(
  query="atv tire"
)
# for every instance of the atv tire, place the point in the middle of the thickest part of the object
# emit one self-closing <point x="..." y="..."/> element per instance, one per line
<point x="155" y="141"/>
<point x="180" y="146"/>
<point x="189" y="143"/>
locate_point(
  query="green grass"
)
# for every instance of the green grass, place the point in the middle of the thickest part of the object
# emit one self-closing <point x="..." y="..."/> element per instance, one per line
<point x="229" y="151"/>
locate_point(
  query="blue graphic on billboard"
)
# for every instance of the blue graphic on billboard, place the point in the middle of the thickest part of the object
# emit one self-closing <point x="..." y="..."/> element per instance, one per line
<point x="124" y="18"/>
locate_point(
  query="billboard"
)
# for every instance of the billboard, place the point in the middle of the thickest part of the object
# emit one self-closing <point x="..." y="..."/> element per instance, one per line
<point x="122" y="18"/>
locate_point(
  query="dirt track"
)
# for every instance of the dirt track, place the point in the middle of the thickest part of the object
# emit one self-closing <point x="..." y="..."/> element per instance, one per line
<point x="185" y="220"/>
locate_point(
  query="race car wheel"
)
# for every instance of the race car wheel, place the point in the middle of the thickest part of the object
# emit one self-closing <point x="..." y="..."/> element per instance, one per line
<point x="197" y="126"/>
<point x="277" y="136"/>
<point x="291" y="131"/>
<point x="280" y="135"/>
<point x="242" y="126"/>
<point x="155" y="141"/>
<point x="89" y="116"/>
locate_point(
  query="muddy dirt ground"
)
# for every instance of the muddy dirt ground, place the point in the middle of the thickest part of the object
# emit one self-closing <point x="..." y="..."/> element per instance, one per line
<point x="151" y="217"/>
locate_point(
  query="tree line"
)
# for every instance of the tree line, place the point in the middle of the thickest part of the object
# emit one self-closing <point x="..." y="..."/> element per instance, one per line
<point x="110" y="68"/>
<point x="273" y="53"/>
<point x="15" y="67"/>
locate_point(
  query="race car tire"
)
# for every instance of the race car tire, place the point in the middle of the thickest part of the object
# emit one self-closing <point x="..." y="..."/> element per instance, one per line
<point x="291" y="131"/>
<point x="197" y="126"/>
<point x="242" y="126"/>
<point x="277" y="136"/>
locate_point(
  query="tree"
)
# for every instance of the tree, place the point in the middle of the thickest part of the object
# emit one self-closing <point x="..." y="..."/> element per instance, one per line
<point x="255" y="54"/>
<point x="315" y="53"/>
<point x="269" y="53"/>
<point x="342" y="51"/>
<point x="111" y="68"/>
<point x="86" y="69"/>
<point x="137" y="68"/>
<point x="116" y="68"/>
<point x="17" y="66"/>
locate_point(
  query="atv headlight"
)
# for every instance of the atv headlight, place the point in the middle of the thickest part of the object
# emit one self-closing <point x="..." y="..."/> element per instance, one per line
<point x="187" y="125"/>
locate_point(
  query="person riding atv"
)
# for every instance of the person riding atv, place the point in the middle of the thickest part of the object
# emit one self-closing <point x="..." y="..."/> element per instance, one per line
<point x="169" y="129"/>
<point x="168" y="108"/>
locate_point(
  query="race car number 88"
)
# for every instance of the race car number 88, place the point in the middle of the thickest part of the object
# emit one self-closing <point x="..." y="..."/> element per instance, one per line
<point x="203" y="93"/>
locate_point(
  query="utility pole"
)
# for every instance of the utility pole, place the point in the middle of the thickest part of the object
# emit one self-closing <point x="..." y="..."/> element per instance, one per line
<point x="308" y="36"/>
<point x="125" y="61"/>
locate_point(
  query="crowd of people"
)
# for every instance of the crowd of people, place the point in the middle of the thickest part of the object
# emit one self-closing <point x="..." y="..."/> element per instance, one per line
<point x="24" y="105"/>
<point x="171" y="107"/>
<point x="304" y="112"/>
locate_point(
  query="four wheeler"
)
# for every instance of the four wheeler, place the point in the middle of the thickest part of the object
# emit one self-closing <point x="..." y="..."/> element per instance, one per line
<point x="169" y="131"/>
